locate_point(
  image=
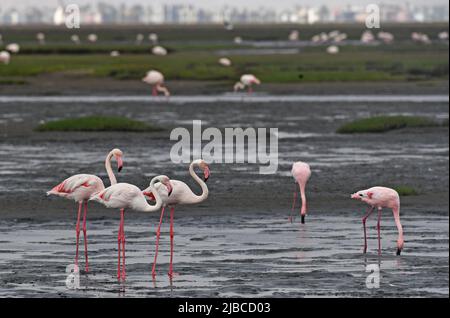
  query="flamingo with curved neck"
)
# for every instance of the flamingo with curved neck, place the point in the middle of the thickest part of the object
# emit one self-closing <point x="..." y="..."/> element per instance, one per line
<point x="80" y="188"/>
<point x="379" y="198"/>
<point x="127" y="196"/>
<point x="301" y="173"/>
<point x="181" y="195"/>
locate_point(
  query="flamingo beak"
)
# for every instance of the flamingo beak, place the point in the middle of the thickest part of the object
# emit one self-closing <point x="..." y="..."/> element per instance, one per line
<point x="206" y="174"/>
<point x="399" y="251"/>
<point x="119" y="163"/>
<point x="303" y="219"/>
<point x="169" y="189"/>
<point x="149" y="195"/>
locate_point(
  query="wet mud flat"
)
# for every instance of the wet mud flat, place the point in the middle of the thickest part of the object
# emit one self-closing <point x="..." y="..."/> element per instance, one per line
<point x="238" y="242"/>
<point x="236" y="255"/>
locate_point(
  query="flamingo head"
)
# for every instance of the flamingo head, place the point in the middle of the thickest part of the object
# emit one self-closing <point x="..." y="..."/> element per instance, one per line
<point x="361" y="195"/>
<point x="166" y="181"/>
<point x="204" y="166"/>
<point x="256" y="81"/>
<point x="400" y="244"/>
<point x="117" y="153"/>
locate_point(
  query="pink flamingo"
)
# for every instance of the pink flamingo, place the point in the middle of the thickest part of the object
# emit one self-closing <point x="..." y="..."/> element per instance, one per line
<point x="127" y="196"/>
<point x="381" y="197"/>
<point x="181" y="195"/>
<point x="247" y="80"/>
<point x="80" y="188"/>
<point x="301" y="173"/>
<point x="156" y="79"/>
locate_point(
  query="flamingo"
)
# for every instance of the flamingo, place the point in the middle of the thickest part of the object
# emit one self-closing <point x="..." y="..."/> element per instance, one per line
<point x="156" y="79"/>
<point x="301" y="173"/>
<point x="40" y="37"/>
<point x="92" y="38"/>
<point x="13" y="48"/>
<point x="224" y="61"/>
<point x="5" y="57"/>
<point x="333" y="49"/>
<point x="247" y="80"/>
<point x="127" y="196"/>
<point x="159" y="50"/>
<point x="80" y="188"/>
<point x="379" y="198"/>
<point x="181" y="195"/>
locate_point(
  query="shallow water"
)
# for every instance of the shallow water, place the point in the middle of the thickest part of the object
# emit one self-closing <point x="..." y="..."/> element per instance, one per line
<point x="243" y="255"/>
<point x="231" y="98"/>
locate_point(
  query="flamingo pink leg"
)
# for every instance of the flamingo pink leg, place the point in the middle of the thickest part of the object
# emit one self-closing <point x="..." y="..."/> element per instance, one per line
<point x="85" y="237"/>
<point x="154" y="92"/>
<point x="364" y="225"/>
<point x="293" y="202"/>
<point x="250" y="90"/>
<point x="122" y="222"/>
<point x="172" y="210"/>
<point x="119" y="238"/>
<point x="77" y="229"/>
<point x="158" y="232"/>
<point x="379" y="230"/>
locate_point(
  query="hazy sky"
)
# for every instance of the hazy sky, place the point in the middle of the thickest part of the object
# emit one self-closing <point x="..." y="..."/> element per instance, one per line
<point x="220" y="3"/>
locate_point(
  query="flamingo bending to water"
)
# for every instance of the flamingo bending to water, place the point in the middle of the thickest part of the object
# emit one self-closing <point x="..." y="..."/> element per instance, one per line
<point x="181" y="195"/>
<point x="247" y="80"/>
<point x="301" y="173"/>
<point x="156" y="79"/>
<point x="127" y="196"/>
<point x="379" y="198"/>
<point x="80" y="188"/>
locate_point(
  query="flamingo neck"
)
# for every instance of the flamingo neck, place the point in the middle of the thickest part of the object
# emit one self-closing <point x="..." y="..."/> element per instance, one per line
<point x="396" y="212"/>
<point x="205" y="192"/>
<point x="112" y="177"/>
<point x="303" y="196"/>
<point x="161" y="88"/>
<point x="158" y="204"/>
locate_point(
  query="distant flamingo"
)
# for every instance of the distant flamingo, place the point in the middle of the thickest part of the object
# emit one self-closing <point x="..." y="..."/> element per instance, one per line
<point x="156" y="79"/>
<point x="381" y="197"/>
<point x="181" y="195"/>
<point x="301" y="173"/>
<point x="127" y="196"/>
<point x="5" y="57"/>
<point x="247" y="80"/>
<point x="80" y="188"/>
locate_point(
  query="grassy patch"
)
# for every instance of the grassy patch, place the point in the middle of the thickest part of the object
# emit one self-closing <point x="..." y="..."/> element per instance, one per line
<point x="97" y="123"/>
<point x="405" y="190"/>
<point x="380" y="124"/>
<point x="7" y="81"/>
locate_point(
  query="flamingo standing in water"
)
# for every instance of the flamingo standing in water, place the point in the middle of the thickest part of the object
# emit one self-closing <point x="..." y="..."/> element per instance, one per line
<point x="80" y="188"/>
<point x="156" y="79"/>
<point x="181" y="194"/>
<point x="127" y="196"/>
<point x="247" y="80"/>
<point x="301" y="173"/>
<point x="379" y="198"/>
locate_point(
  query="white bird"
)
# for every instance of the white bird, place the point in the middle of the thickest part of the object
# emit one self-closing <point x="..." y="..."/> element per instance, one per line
<point x="443" y="35"/>
<point x="75" y="38"/>
<point x="333" y="49"/>
<point x="92" y="38"/>
<point x="139" y="38"/>
<point x="181" y="195"/>
<point x="153" y="37"/>
<point x="237" y="40"/>
<point x="5" y="57"/>
<point x="159" y="50"/>
<point x="114" y="53"/>
<point x="225" y="61"/>
<point x="127" y="196"/>
<point x="40" y="37"/>
<point x="156" y="79"/>
<point x="294" y="35"/>
<point x="386" y="37"/>
<point x="247" y="80"/>
<point x="367" y="37"/>
<point x="13" y="48"/>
